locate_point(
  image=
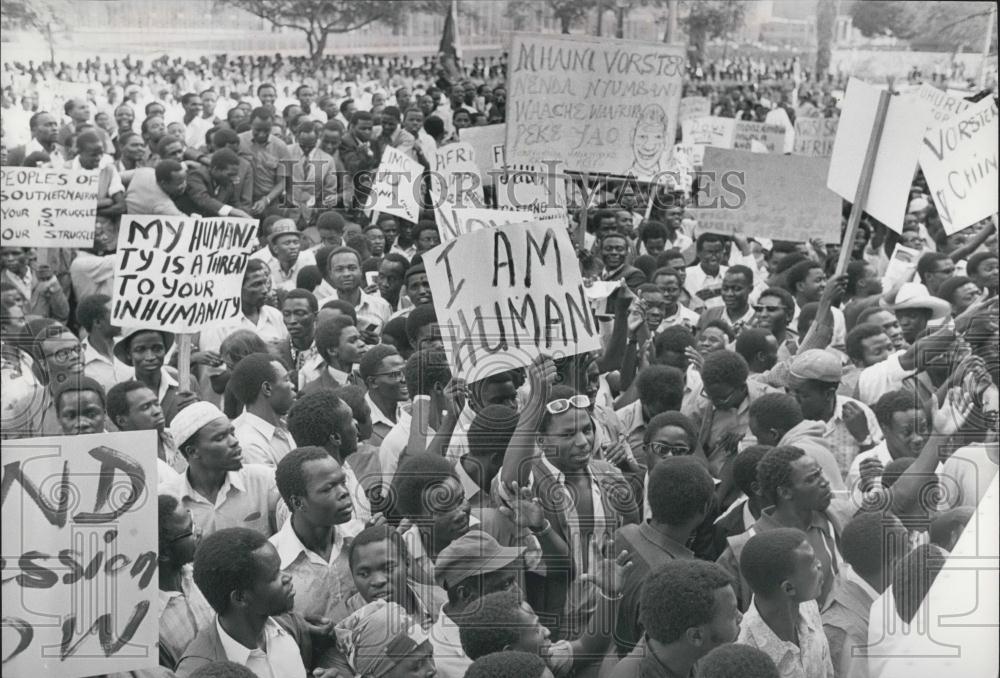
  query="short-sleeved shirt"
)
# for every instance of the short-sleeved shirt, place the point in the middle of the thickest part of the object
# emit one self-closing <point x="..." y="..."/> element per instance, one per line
<point x="247" y="499"/>
<point x="266" y="160"/>
<point x="809" y="659"/>
<point x="262" y="442"/>
<point x="270" y="327"/>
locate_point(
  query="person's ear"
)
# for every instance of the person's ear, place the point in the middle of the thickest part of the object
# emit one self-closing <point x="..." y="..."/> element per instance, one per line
<point x="695" y="636"/>
<point x="788" y="588"/>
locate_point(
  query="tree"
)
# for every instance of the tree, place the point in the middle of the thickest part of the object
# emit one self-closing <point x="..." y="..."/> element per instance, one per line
<point x="568" y="12"/>
<point x="711" y="19"/>
<point x="48" y="17"/>
<point x="953" y="27"/>
<point x="882" y="17"/>
<point x="826" y="19"/>
<point x="319" y="19"/>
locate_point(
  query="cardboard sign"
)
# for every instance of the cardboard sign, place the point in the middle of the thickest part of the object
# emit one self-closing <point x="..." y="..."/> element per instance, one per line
<point x="395" y="187"/>
<point x="455" y="183"/>
<point x="505" y="294"/>
<point x="540" y="190"/>
<point x="902" y="266"/>
<point x="759" y="137"/>
<point x="782" y="197"/>
<point x="959" y="160"/>
<point x="694" y="107"/>
<point x="469" y="219"/>
<point x="599" y="105"/>
<point x="483" y="139"/>
<point x="942" y="105"/>
<point x="180" y="274"/>
<point x="814" y="137"/>
<point x="47" y="207"/>
<point x="709" y="131"/>
<point x="80" y="591"/>
<point x="896" y="161"/>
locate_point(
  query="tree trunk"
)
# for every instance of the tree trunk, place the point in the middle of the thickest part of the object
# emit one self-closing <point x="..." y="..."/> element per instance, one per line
<point x="620" y="23"/>
<point x="826" y="20"/>
<point x="316" y="53"/>
<point x="600" y="19"/>
<point x="564" y="23"/>
<point x="670" y="34"/>
<point x="52" y="43"/>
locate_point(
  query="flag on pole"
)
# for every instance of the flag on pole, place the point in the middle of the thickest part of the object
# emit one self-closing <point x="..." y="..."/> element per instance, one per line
<point x="449" y="46"/>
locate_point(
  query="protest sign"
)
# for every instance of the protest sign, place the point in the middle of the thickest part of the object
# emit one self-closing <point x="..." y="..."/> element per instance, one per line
<point x="393" y="189"/>
<point x="596" y="104"/>
<point x="694" y="107"/>
<point x="507" y="293"/>
<point x="539" y="189"/>
<point x="896" y="160"/>
<point x="959" y="160"/>
<point x="814" y="137"/>
<point x="758" y="137"/>
<point x="483" y="139"/>
<point x="782" y="197"/>
<point x="180" y="274"/>
<point x="709" y="131"/>
<point x="47" y="207"/>
<point x="456" y="183"/>
<point x="80" y="592"/>
<point x="469" y="219"/>
<point x="942" y="105"/>
<point x="902" y="265"/>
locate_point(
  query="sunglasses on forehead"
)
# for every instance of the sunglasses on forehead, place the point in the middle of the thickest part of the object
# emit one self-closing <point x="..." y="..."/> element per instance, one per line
<point x="580" y="402"/>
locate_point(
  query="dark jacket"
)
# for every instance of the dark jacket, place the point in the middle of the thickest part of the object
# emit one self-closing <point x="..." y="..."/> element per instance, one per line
<point x="207" y="196"/>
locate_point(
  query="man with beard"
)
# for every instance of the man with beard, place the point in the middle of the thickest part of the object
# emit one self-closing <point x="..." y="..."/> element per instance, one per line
<point x="313" y="542"/>
<point x="217" y="488"/>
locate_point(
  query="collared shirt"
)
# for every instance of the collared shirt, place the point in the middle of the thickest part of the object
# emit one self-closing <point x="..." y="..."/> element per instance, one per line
<point x="182" y="614"/>
<point x="809" y="659"/>
<point x="144" y="195"/>
<point x="845" y="446"/>
<point x="195" y="131"/>
<point x="822" y="536"/>
<point x="715" y="423"/>
<point x="845" y="623"/>
<point x="394" y="444"/>
<point x="166" y="393"/>
<point x="633" y="423"/>
<point x="55" y="155"/>
<point x="371" y="309"/>
<point x="247" y="498"/>
<point x="266" y="160"/>
<point x="322" y="587"/>
<point x="706" y="287"/>
<point x="281" y="279"/>
<point x="880" y="378"/>
<point x="642" y="663"/>
<point x="308" y="364"/>
<point x="737" y="323"/>
<point x="270" y="327"/>
<point x="450" y="659"/>
<point x="381" y="424"/>
<point x="280" y="657"/>
<point x="458" y="445"/>
<point x="682" y="316"/>
<point x="262" y="442"/>
<point x="106" y="371"/>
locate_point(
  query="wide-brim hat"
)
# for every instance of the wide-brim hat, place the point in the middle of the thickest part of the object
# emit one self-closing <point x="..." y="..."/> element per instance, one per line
<point x="914" y="295"/>
<point x="121" y="349"/>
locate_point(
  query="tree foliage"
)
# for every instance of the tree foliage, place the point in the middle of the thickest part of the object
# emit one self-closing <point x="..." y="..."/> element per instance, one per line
<point x="569" y="12"/>
<point x="319" y="19"/>
<point x="48" y="17"/>
<point x="711" y="19"/>
<point x="884" y="17"/>
<point x="826" y="19"/>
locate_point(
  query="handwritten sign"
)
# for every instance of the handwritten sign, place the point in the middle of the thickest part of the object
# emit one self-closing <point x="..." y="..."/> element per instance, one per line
<point x="504" y="294"/>
<point x="80" y="592"/>
<point x="393" y="189"/>
<point x="596" y="104"/>
<point x="784" y="197"/>
<point x="896" y="160"/>
<point x="959" y="160"/>
<point x="483" y="139"/>
<point x="814" y="137"/>
<point x="538" y="189"/>
<point x="709" y="131"/>
<point x="942" y="105"/>
<point x="469" y="219"/>
<point x="455" y="183"/>
<point x="45" y="207"/>
<point x="694" y="107"/>
<point x="180" y="274"/>
<point x="759" y="137"/>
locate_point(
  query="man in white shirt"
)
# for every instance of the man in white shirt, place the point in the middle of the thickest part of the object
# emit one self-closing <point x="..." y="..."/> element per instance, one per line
<point x="344" y="275"/>
<point x="283" y="256"/>
<point x="260" y="382"/>
<point x="704" y="279"/>
<point x="99" y="361"/>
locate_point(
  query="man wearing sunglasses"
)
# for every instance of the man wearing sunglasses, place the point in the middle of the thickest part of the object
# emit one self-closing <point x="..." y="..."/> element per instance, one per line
<point x="773" y="312"/>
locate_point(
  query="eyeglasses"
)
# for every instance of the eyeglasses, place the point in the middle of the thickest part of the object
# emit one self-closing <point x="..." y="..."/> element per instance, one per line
<point x="580" y="402"/>
<point x="64" y="354"/>
<point x="394" y="374"/>
<point x="668" y="450"/>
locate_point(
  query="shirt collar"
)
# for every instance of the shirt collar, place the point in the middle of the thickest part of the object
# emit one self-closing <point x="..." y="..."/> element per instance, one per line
<point x="265" y="428"/>
<point x="91" y="354"/>
<point x="378" y="417"/>
<point x="341" y="377"/>
<point x="674" y="548"/>
<point x="234" y="479"/>
<point x="237" y="651"/>
<point x="290" y="547"/>
<point x="852" y="576"/>
<point x="767" y="640"/>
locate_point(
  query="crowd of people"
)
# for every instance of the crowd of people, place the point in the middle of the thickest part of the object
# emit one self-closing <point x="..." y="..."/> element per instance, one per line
<point x="764" y="450"/>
